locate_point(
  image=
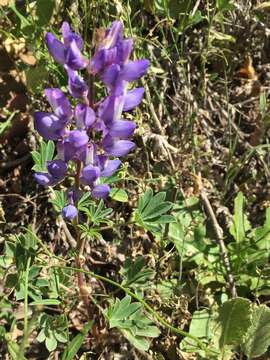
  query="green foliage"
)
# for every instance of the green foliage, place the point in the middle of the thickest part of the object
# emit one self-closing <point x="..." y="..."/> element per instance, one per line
<point x="85" y="202"/>
<point x="14" y="350"/>
<point x="201" y="326"/>
<point x="224" y="5"/>
<point x="97" y="214"/>
<point x="130" y="319"/>
<point x="53" y="330"/>
<point x="74" y="346"/>
<point x="188" y="231"/>
<point x="44" y="11"/>
<point x="257" y="338"/>
<point x="238" y="324"/>
<point x="59" y="200"/>
<point x="45" y="153"/>
<point x="136" y="275"/>
<point x="234" y="319"/>
<point x="240" y="223"/>
<point x="35" y="79"/>
<point x="152" y="211"/>
<point x="119" y="195"/>
<point x="180" y="10"/>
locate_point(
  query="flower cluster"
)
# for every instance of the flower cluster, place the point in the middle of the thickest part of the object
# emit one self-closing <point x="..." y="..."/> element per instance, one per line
<point x="93" y="135"/>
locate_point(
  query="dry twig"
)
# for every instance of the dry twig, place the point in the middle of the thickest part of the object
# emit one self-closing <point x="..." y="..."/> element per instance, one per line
<point x="219" y="236"/>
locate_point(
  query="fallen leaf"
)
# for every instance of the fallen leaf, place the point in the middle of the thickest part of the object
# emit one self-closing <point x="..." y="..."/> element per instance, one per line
<point x="28" y="58"/>
<point x="5" y="2"/>
<point x="248" y="71"/>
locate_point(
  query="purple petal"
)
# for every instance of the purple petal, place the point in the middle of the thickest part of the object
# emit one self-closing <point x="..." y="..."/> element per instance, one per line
<point x="58" y="101"/>
<point x="74" y="58"/>
<point x="90" y="154"/>
<point x="114" y="34"/>
<point x="77" y="87"/>
<point x="110" y="75"/>
<point x="57" y="168"/>
<point x="78" y="138"/>
<point x="122" y="128"/>
<point x="66" y="151"/>
<point x="102" y="58"/>
<point x="69" y="35"/>
<point x="111" y="108"/>
<point x="124" y="50"/>
<point x="117" y="147"/>
<point x="97" y="62"/>
<point x="69" y="212"/>
<point x="110" y="167"/>
<point x="101" y="191"/>
<point x="48" y="125"/>
<point x="90" y="174"/>
<point x="85" y="116"/>
<point x="133" y="70"/>
<point x="55" y="47"/>
<point x="133" y="98"/>
<point x="43" y="179"/>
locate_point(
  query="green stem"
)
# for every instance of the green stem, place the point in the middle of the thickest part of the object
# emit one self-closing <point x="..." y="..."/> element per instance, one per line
<point x="25" y="319"/>
<point x="162" y="321"/>
<point x="80" y="246"/>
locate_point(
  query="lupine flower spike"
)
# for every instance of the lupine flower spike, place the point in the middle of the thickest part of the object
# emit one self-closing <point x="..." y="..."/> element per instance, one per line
<point x="73" y="129"/>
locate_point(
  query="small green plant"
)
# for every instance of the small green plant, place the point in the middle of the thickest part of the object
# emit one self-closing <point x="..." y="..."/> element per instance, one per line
<point x="129" y="318"/>
<point x="152" y="211"/>
<point x="53" y="330"/>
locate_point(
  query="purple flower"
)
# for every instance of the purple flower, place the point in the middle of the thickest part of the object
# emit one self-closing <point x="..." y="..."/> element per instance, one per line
<point x="111" y="108"/>
<point x="95" y="136"/>
<point x="134" y="70"/>
<point x="57" y="168"/>
<point x="73" y="146"/>
<point x="43" y="179"/>
<point x="133" y="98"/>
<point x="69" y="212"/>
<point x="122" y="129"/>
<point x="109" y="167"/>
<point x="59" y="103"/>
<point x="69" y="52"/>
<point x="115" y="147"/>
<point x="106" y="53"/>
<point x="49" y="126"/>
<point x="101" y="191"/>
<point x="85" y="116"/>
<point x="76" y="85"/>
<point x="90" y="174"/>
<point x="69" y="36"/>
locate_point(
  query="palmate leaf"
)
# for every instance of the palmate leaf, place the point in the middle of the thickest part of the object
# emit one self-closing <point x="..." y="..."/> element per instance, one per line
<point x="135" y="274"/>
<point x="152" y="209"/>
<point x="90" y="232"/>
<point x="85" y="202"/>
<point x="45" y="153"/>
<point x="130" y="319"/>
<point x="257" y="338"/>
<point x="97" y="214"/>
<point x="59" y="200"/>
